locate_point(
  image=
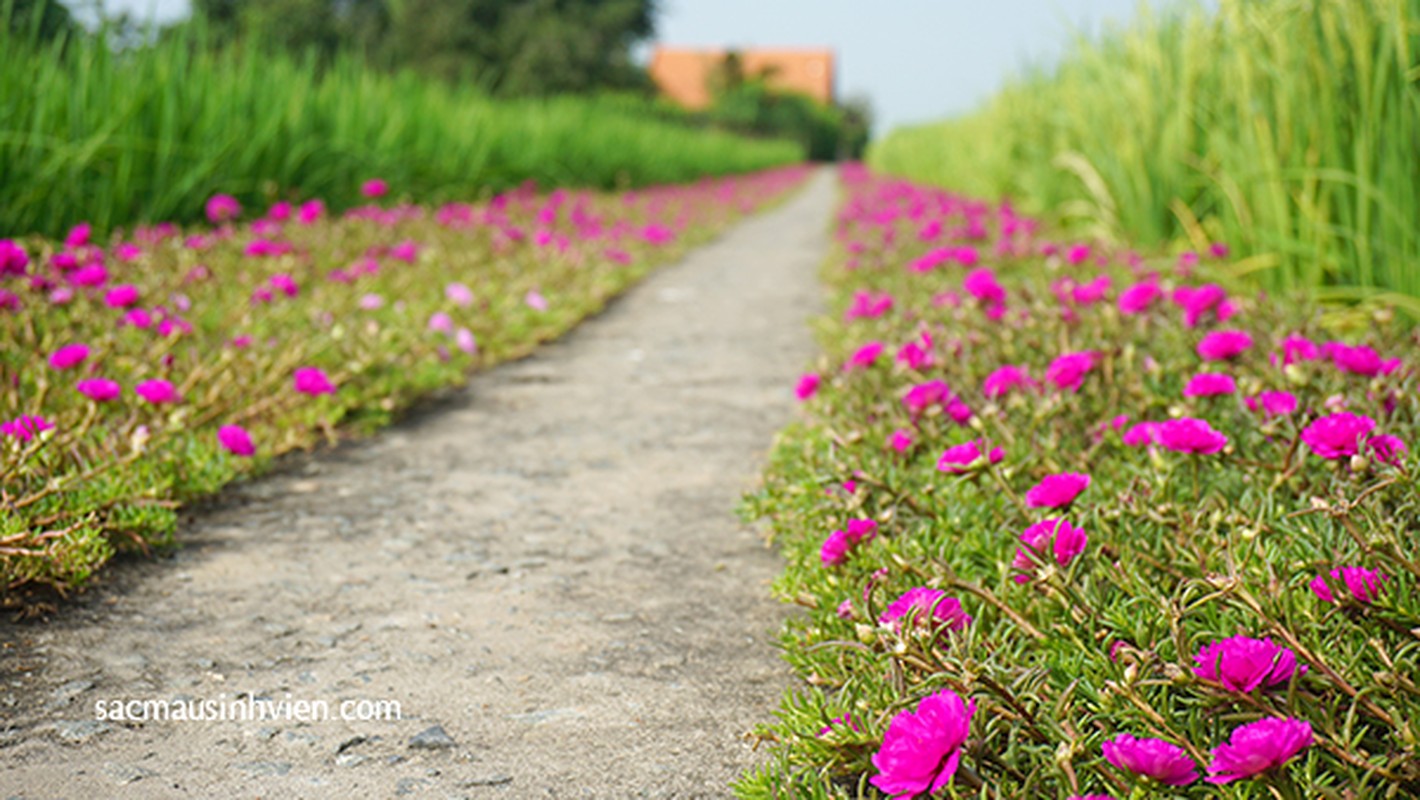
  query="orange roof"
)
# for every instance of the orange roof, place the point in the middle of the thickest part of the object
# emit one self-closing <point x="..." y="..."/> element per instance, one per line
<point x="683" y="74"/>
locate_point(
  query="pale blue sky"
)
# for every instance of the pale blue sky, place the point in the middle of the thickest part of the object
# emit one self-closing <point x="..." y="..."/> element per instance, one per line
<point x="916" y="60"/>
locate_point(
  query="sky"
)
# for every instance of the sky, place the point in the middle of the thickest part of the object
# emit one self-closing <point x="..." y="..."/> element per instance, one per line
<point x="915" y="60"/>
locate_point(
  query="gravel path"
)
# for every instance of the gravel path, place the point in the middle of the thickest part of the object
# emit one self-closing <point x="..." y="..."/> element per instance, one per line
<point x="544" y="573"/>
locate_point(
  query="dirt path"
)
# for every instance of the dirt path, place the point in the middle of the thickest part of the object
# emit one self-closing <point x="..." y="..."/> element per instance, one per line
<point x="547" y="568"/>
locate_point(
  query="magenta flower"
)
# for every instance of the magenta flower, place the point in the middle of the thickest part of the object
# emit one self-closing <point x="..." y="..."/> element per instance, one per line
<point x="1055" y="536"/>
<point x="836" y="546"/>
<point x="1363" y="585"/>
<point x="1223" y="345"/>
<point x="25" y="427"/>
<point x="100" y="390"/>
<point x="235" y="440"/>
<point x="846" y="720"/>
<point x="982" y="284"/>
<point x="1337" y="435"/>
<point x="916" y="604"/>
<point x="1152" y="758"/>
<point x="864" y="356"/>
<point x="1360" y="360"/>
<point x="374" y="188"/>
<point x="1210" y="384"/>
<point x="309" y="212"/>
<point x="1190" y="435"/>
<point x="921" y="750"/>
<point x="807" y="386"/>
<point x="924" y="395"/>
<point x="121" y="296"/>
<point x="868" y="305"/>
<point x="1141" y="434"/>
<point x="900" y="440"/>
<point x="1387" y="449"/>
<point x="285" y="284"/>
<point x="69" y="356"/>
<point x="1005" y="380"/>
<point x="313" y="381"/>
<point x="157" y="392"/>
<point x="1273" y="404"/>
<point x="1138" y="298"/>
<point x="1241" y="663"/>
<point x="439" y="322"/>
<point x="1057" y="491"/>
<point x="1068" y="371"/>
<point x="223" y="207"/>
<point x="962" y="458"/>
<point x="1299" y="348"/>
<point x="13" y="258"/>
<point x="1258" y="747"/>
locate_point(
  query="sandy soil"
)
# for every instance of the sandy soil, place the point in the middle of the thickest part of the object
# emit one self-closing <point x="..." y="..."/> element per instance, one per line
<point x="543" y="571"/>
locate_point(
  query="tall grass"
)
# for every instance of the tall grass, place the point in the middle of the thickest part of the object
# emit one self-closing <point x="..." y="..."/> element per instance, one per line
<point x="1289" y="129"/>
<point x="115" y="137"/>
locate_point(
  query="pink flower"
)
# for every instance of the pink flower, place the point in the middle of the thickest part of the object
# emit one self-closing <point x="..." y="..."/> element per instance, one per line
<point x="900" y="440"/>
<point x="924" y="395"/>
<point x="915" y="605"/>
<point x="1057" y="491"/>
<point x="1337" y="435"/>
<point x="371" y="302"/>
<point x="864" y="356"/>
<point x="459" y="294"/>
<point x="100" y="390"/>
<point x="440" y="322"/>
<point x="1258" y="747"/>
<point x="1360" y="360"/>
<point x="1273" y="404"/>
<point x="963" y="458"/>
<point x="534" y="300"/>
<point x="1138" y="298"/>
<point x="279" y="212"/>
<point x="235" y="440"/>
<point x="921" y="750"/>
<point x="914" y="355"/>
<point x="1153" y="758"/>
<point x="223" y="207"/>
<point x="1242" y="664"/>
<point x="157" y="392"/>
<point x="1363" y="585"/>
<point x="1387" y="449"/>
<point x="1005" y="380"/>
<point x="1190" y="435"/>
<point x="285" y="284"/>
<point x="465" y="341"/>
<point x="982" y="284"/>
<point x="374" y="188"/>
<point x="69" y="356"/>
<point x="807" y="386"/>
<point x="836" y="546"/>
<point x="1299" y="348"/>
<point x="1210" y="384"/>
<point x="313" y="381"/>
<point x="1053" y="535"/>
<point x="309" y="212"/>
<point x="845" y="720"/>
<point x="1141" y="434"/>
<point x="25" y="427"/>
<point x="78" y="235"/>
<point x="1068" y="371"/>
<point x="867" y="305"/>
<point x="1197" y="301"/>
<point x="1223" y="345"/>
<point x="121" y="296"/>
<point x="13" y="258"/>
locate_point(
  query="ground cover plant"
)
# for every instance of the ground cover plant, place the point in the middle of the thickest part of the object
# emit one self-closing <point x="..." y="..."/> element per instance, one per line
<point x="90" y="132"/>
<point x="147" y="370"/>
<point x="1284" y="128"/>
<point x="1070" y="522"/>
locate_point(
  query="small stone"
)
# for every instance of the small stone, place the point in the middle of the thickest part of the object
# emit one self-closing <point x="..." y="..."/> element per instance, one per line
<point x="351" y="742"/>
<point x="127" y="773"/>
<point x="80" y="731"/>
<point x="65" y="694"/>
<point x="408" y="785"/>
<point x="432" y="738"/>
<point x="350" y="760"/>
<point x="485" y="780"/>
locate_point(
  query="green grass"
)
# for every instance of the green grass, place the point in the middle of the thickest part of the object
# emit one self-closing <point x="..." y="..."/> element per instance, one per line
<point x="148" y="134"/>
<point x="1289" y="130"/>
